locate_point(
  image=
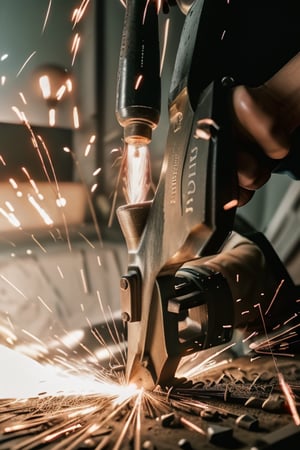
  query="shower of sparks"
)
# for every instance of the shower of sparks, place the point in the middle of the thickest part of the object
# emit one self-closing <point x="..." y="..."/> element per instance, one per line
<point x="290" y="398"/>
<point x="79" y="12"/>
<point x="269" y="343"/>
<point x="191" y="367"/>
<point x="64" y="394"/>
<point x="67" y="401"/>
<point x="73" y="403"/>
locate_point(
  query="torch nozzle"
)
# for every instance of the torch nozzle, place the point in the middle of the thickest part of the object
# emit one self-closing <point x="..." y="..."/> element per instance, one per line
<point x="138" y="132"/>
<point x="138" y="89"/>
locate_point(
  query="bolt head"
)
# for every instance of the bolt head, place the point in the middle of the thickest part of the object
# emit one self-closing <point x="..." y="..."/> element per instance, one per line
<point x="124" y="284"/>
<point x="125" y="316"/>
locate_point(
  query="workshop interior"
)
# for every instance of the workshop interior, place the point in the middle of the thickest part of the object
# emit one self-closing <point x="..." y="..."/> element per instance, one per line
<point x="118" y="326"/>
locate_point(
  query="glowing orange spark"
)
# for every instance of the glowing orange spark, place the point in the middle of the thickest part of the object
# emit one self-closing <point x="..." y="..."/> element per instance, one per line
<point x="38" y="243"/>
<point x="192" y="426"/>
<point x="60" y="92"/>
<point x="94" y="187"/>
<point x="231" y="204"/>
<point x="10" y="283"/>
<point x="52" y="117"/>
<point x="84" y="283"/>
<point x="138" y="82"/>
<point x="44" y="304"/>
<point x="97" y="171"/>
<point x="11" y="218"/>
<point x="76" y="117"/>
<point x="79" y="12"/>
<point x="9" y="206"/>
<point x="290" y="398"/>
<point x="60" y="272"/>
<point x="128" y="422"/>
<point x="250" y="336"/>
<point x="26" y="62"/>
<point x="274" y="296"/>
<point x="75" y="47"/>
<point x="47" y="16"/>
<point x="87" y="240"/>
<point x="19" y="113"/>
<point x="294" y="316"/>
<point x="23" y="98"/>
<point x="87" y="150"/>
<point x="52" y="436"/>
<point x="69" y="85"/>
<point x="13" y="183"/>
<point x="198" y="368"/>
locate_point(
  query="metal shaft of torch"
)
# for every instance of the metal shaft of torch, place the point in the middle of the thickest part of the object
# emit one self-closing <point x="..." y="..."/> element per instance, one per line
<point x="138" y="88"/>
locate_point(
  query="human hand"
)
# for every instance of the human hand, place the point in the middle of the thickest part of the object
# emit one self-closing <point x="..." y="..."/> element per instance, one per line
<point x="266" y="117"/>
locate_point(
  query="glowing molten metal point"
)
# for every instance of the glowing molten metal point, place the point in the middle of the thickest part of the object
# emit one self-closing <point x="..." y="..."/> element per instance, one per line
<point x="138" y="173"/>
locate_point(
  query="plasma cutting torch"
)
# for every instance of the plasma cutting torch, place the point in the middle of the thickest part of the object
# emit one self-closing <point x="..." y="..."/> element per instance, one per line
<point x="172" y="308"/>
